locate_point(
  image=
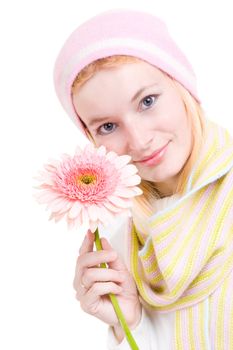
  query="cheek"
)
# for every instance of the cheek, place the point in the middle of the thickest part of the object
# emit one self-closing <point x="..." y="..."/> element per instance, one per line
<point x="112" y="144"/>
<point x="179" y="127"/>
<point x="172" y="116"/>
<point x="185" y="134"/>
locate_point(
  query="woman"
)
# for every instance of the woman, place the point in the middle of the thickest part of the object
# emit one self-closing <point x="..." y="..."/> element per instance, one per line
<point x="127" y="86"/>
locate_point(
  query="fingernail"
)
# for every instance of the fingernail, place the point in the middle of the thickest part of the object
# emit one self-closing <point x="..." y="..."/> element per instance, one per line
<point x="89" y="235"/>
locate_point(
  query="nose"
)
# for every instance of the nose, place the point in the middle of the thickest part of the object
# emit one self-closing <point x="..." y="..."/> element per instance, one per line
<point x="138" y="137"/>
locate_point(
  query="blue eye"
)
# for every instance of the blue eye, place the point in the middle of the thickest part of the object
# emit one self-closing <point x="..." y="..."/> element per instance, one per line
<point x="106" y="128"/>
<point x="148" y="101"/>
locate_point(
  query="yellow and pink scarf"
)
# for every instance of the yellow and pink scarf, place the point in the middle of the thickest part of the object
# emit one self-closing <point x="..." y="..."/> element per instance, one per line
<point x="184" y="263"/>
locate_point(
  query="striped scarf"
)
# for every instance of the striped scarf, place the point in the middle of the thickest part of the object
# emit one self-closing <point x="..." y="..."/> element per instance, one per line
<point x="185" y="262"/>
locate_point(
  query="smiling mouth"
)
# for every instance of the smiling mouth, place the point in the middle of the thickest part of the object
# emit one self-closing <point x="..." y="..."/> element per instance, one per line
<point x="153" y="155"/>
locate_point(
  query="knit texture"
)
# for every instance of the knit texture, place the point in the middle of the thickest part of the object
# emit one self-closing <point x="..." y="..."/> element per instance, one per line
<point x="121" y="32"/>
<point x="184" y="263"/>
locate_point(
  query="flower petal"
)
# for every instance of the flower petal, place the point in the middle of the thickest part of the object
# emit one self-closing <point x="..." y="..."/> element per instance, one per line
<point x="137" y="191"/>
<point x="66" y="207"/>
<point x="50" y="168"/>
<point x="57" y="204"/>
<point x="132" y="181"/>
<point x="77" y="222"/>
<point x="120" y="202"/>
<point x="127" y="212"/>
<point x="71" y="224"/>
<point x="65" y="157"/>
<point x="111" y="155"/>
<point x="56" y="216"/>
<point x="53" y="162"/>
<point x="104" y="215"/>
<point x="111" y="207"/>
<point x="124" y="192"/>
<point x="89" y="147"/>
<point x="75" y="210"/>
<point x="92" y="212"/>
<point x="85" y="217"/>
<point x="78" y="150"/>
<point x="121" y="161"/>
<point x="46" y="196"/>
<point x="101" y="151"/>
<point x="62" y="192"/>
<point x="128" y="170"/>
<point x="93" y="226"/>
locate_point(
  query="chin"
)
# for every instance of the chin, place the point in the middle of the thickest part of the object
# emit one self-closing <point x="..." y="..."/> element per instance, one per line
<point x="160" y="175"/>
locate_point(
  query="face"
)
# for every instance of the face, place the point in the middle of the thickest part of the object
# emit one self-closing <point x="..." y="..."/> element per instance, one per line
<point x="135" y="109"/>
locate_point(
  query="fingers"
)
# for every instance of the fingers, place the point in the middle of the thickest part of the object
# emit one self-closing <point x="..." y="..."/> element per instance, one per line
<point x="90" y="300"/>
<point x="96" y="275"/>
<point x="95" y="258"/>
<point x="80" y="291"/>
<point x="116" y="264"/>
<point x="99" y="289"/>
<point x="87" y="244"/>
<point x="89" y="259"/>
<point x="94" y="279"/>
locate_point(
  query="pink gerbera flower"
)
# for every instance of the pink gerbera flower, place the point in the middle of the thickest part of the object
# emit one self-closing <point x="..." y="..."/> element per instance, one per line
<point x="88" y="188"/>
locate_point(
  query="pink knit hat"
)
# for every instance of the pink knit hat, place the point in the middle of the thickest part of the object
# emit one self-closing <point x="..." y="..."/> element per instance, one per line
<point x="119" y="32"/>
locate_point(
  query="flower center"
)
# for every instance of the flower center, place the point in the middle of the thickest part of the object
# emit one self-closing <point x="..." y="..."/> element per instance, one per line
<point x="87" y="179"/>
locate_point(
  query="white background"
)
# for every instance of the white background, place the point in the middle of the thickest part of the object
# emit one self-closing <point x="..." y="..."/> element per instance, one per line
<point x="38" y="309"/>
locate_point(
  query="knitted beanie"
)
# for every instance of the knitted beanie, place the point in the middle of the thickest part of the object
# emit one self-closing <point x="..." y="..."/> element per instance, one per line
<point x="119" y="32"/>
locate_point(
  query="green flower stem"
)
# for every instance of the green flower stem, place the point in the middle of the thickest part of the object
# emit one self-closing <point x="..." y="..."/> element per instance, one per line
<point x="115" y="303"/>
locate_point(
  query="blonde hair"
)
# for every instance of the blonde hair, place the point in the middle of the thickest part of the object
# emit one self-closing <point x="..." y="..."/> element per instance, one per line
<point x="194" y="112"/>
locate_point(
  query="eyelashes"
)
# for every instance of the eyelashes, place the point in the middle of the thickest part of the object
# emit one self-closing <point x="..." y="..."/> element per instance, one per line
<point x="148" y="101"/>
<point x="106" y="128"/>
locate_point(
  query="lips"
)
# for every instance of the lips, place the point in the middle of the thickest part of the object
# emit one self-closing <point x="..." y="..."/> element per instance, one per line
<point x="152" y="155"/>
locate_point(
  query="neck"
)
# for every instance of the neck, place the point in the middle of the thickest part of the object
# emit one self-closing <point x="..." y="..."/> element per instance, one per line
<point x="167" y="188"/>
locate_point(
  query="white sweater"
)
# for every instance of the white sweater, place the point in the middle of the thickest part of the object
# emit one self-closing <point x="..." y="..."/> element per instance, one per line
<point x="155" y="329"/>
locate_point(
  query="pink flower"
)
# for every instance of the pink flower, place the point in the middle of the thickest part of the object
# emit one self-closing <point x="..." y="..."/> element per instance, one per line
<point x="90" y="188"/>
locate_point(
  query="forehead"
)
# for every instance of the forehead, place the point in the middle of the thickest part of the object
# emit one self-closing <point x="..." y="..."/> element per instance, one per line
<point x="111" y="87"/>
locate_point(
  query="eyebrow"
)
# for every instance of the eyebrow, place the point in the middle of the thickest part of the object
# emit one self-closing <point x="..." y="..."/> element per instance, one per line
<point x="140" y="91"/>
<point x="98" y="119"/>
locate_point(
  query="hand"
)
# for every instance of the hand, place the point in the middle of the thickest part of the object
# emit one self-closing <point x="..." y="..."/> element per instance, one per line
<point x="93" y="284"/>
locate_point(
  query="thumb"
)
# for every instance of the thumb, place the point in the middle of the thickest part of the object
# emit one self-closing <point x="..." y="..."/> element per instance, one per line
<point x="87" y="244"/>
<point x="117" y="264"/>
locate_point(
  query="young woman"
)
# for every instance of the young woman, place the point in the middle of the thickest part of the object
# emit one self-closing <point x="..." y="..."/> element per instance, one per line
<point x="126" y="84"/>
